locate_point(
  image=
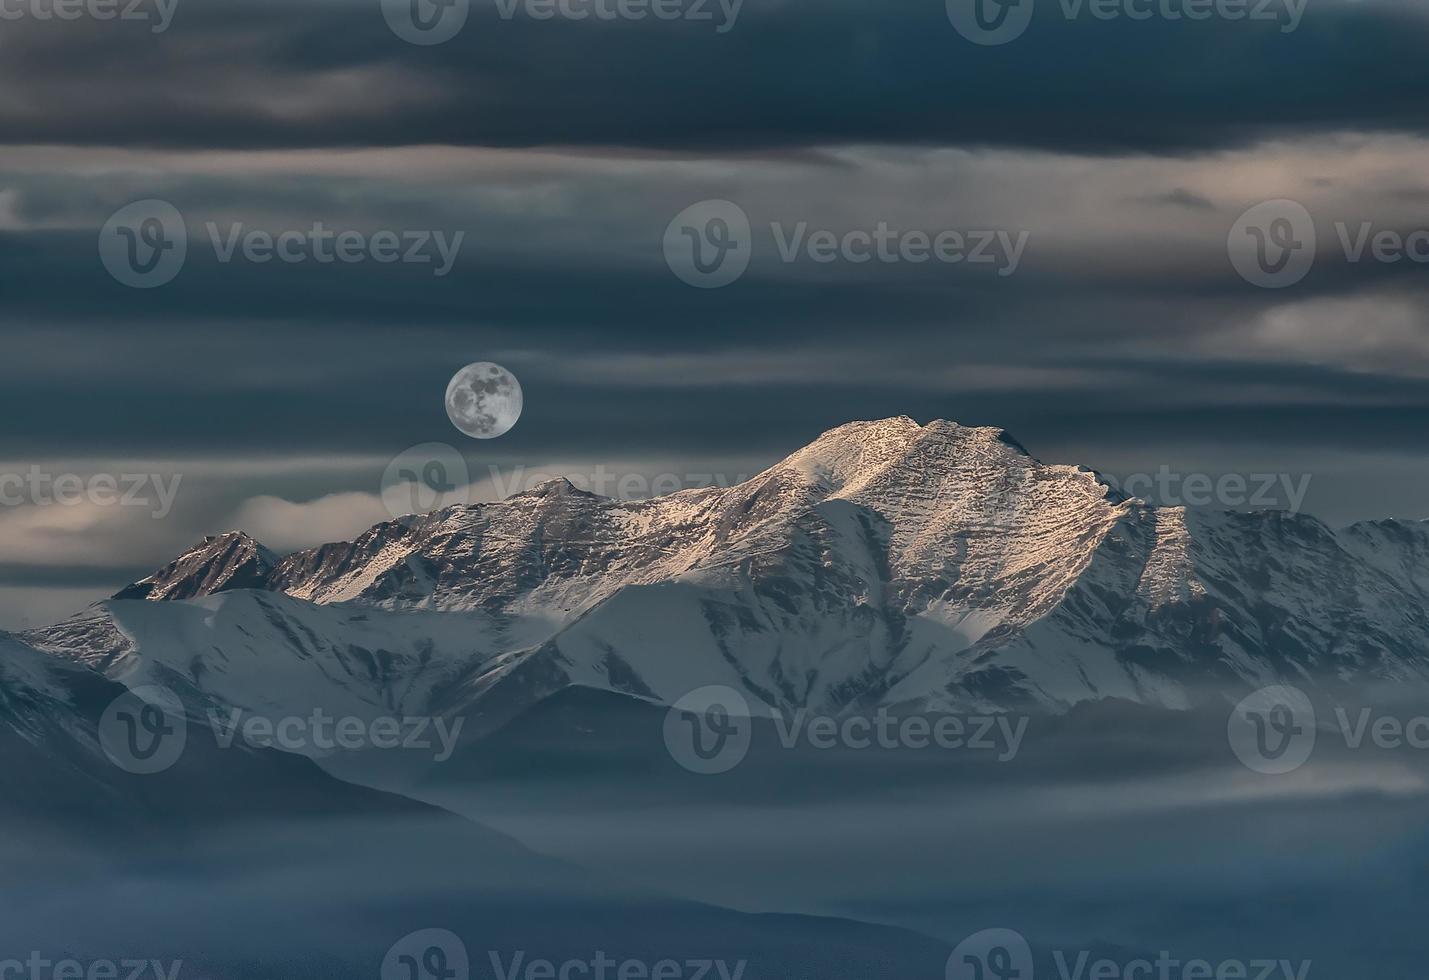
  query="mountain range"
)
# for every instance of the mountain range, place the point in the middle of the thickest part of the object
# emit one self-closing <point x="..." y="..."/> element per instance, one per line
<point x="930" y="567"/>
<point x="887" y="566"/>
<point x="240" y="863"/>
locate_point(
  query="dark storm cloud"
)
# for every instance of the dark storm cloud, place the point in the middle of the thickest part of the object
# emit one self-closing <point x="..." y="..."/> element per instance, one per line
<point x="787" y="75"/>
<point x="1125" y="340"/>
<point x="1124" y="316"/>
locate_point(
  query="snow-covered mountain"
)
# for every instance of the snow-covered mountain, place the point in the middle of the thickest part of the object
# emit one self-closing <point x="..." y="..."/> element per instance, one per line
<point x="49" y="746"/>
<point x="925" y="567"/>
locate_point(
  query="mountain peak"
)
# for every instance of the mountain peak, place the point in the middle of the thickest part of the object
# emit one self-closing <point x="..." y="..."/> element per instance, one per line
<point x="232" y="560"/>
<point x="898" y="449"/>
<point x="899" y="430"/>
<point x="871" y="431"/>
<point x="558" y="486"/>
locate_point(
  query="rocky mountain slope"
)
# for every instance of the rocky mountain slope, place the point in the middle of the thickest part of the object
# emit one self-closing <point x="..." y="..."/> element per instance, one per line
<point x="926" y="567"/>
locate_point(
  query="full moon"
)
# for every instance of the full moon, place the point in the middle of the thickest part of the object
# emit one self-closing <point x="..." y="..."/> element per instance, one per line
<point x="484" y="400"/>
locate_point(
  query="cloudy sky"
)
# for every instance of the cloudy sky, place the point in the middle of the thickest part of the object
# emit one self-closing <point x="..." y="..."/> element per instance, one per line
<point x="1097" y="164"/>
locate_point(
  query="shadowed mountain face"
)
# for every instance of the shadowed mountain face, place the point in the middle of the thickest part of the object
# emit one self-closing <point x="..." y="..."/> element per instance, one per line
<point x="925" y="567"/>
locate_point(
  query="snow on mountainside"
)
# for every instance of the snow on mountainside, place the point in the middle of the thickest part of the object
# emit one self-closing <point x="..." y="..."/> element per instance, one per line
<point x="928" y="567"/>
<point x="280" y="656"/>
<point x="34" y="691"/>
